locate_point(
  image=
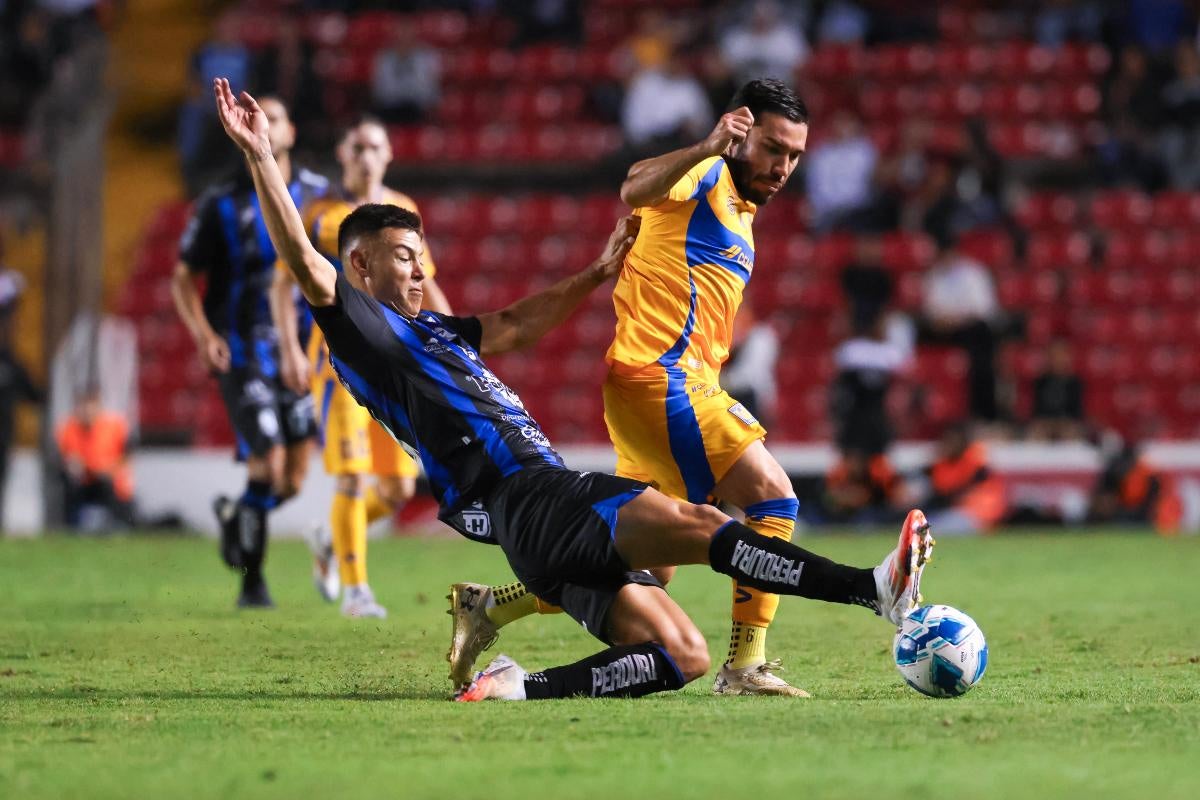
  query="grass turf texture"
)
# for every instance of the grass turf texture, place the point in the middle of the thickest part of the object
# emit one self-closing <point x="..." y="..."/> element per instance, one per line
<point x="125" y="672"/>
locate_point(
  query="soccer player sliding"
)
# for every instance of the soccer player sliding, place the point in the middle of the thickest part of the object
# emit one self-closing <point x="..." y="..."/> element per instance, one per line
<point x="578" y="540"/>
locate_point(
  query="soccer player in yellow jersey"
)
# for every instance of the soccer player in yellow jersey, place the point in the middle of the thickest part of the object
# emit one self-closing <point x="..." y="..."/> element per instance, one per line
<point x="669" y="419"/>
<point x="355" y="445"/>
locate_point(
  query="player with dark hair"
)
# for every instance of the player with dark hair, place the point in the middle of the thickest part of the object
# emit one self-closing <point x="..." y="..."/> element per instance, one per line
<point x="354" y="445"/>
<point x="672" y="424"/>
<point x="227" y="243"/>
<point x="579" y="540"/>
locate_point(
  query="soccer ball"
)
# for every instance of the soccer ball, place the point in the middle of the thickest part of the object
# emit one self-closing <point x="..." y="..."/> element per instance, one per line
<point x="940" y="651"/>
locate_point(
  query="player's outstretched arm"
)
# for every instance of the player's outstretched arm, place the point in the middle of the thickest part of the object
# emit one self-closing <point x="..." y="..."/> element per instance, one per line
<point x="529" y="319"/>
<point x="247" y="125"/>
<point x="650" y="181"/>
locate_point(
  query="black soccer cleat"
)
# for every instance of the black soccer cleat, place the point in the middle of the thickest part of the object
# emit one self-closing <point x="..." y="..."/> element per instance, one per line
<point x="258" y="597"/>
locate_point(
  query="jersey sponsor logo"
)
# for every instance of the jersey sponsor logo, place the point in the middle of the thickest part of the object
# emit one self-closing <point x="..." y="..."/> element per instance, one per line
<point x="487" y="383"/>
<point x="532" y="434"/>
<point x="631" y="670"/>
<point x="742" y="413"/>
<point x="435" y="346"/>
<point x="754" y="562"/>
<point x="735" y="253"/>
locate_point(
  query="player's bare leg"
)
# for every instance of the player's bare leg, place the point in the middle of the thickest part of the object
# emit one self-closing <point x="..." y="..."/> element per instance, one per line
<point x="758" y="485"/>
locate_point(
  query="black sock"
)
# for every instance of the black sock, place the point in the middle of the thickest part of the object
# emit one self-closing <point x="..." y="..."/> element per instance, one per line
<point x="251" y="521"/>
<point x="774" y="565"/>
<point x="626" y="671"/>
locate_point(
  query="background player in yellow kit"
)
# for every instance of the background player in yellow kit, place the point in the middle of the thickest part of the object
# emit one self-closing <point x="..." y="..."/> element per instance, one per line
<point x="670" y="421"/>
<point x="354" y="444"/>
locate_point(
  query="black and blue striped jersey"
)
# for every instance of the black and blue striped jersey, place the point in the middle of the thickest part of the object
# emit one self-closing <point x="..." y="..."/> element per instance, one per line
<point x="227" y="240"/>
<point x="425" y="382"/>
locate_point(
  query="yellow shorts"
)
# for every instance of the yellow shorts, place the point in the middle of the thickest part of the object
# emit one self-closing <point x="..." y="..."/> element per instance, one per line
<point x="354" y="442"/>
<point x="675" y="431"/>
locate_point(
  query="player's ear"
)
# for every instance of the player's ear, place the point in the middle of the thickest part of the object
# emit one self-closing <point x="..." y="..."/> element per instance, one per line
<point x="358" y="262"/>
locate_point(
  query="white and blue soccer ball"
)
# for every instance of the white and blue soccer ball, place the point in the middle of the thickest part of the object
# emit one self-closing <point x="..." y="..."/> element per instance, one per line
<point x="940" y="651"/>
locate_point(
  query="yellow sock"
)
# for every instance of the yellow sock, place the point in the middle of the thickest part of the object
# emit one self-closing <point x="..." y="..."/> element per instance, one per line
<point x="377" y="507"/>
<point x="753" y="610"/>
<point x="512" y="601"/>
<point x="348" y="521"/>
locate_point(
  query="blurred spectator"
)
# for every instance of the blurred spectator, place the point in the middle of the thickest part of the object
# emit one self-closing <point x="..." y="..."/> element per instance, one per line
<point x="965" y="496"/>
<point x="545" y="20"/>
<point x="1180" y="140"/>
<point x="843" y="22"/>
<point x="200" y="135"/>
<point x="1158" y="25"/>
<point x="652" y="42"/>
<point x="93" y="444"/>
<point x="1057" y="397"/>
<point x="840" y="176"/>
<point x="866" y="365"/>
<point x="1133" y="110"/>
<point x="862" y="489"/>
<point x="26" y="56"/>
<point x="749" y="373"/>
<point x="15" y="384"/>
<point x="763" y="43"/>
<point x="1058" y="22"/>
<point x="1131" y="491"/>
<point x="960" y="308"/>
<point x="406" y="78"/>
<point x="285" y="70"/>
<point x="665" y="107"/>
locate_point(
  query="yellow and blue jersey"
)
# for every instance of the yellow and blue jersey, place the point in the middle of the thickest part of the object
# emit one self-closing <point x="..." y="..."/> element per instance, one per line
<point x="682" y="282"/>
<point x="669" y="420"/>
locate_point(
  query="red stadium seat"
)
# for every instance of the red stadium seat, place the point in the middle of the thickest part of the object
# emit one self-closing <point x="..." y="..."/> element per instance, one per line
<point x="1120" y="209"/>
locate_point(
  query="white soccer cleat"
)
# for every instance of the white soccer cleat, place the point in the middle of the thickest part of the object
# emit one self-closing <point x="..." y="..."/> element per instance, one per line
<point x="503" y="679"/>
<point x="898" y="578"/>
<point x="472" y="633"/>
<point x="359" y="603"/>
<point x="755" y="679"/>
<point x="325" y="567"/>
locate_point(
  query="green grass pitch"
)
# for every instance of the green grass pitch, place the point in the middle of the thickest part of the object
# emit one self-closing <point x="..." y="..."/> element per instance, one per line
<point x="125" y="672"/>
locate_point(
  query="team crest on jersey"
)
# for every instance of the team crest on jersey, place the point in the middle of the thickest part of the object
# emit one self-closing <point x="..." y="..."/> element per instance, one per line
<point x="477" y="522"/>
<point x="436" y="346"/>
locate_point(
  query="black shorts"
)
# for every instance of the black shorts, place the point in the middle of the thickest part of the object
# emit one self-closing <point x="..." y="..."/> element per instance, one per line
<point x="556" y="527"/>
<point x="263" y="413"/>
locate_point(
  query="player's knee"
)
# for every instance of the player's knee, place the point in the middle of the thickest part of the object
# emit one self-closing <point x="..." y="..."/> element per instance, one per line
<point x="397" y="492"/>
<point x="350" y="484"/>
<point x="701" y="518"/>
<point x="689" y="651"/>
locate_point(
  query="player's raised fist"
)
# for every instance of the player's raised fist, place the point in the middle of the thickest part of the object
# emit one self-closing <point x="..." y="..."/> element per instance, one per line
<point x="732" y="129"/>
<point x="617" y="247"/>
<point x="243" y="119"/>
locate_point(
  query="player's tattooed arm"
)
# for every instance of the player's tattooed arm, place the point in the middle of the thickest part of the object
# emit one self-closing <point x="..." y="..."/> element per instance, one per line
<point x="649" y="182"/>
<point x="246" y="124"/>
<point x="529" y="319"/>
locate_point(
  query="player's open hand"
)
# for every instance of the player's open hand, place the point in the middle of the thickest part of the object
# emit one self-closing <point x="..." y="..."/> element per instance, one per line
<point x="617" y="247"/>
<point x="242" y="119"/>
<point x="732" y="129"/>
